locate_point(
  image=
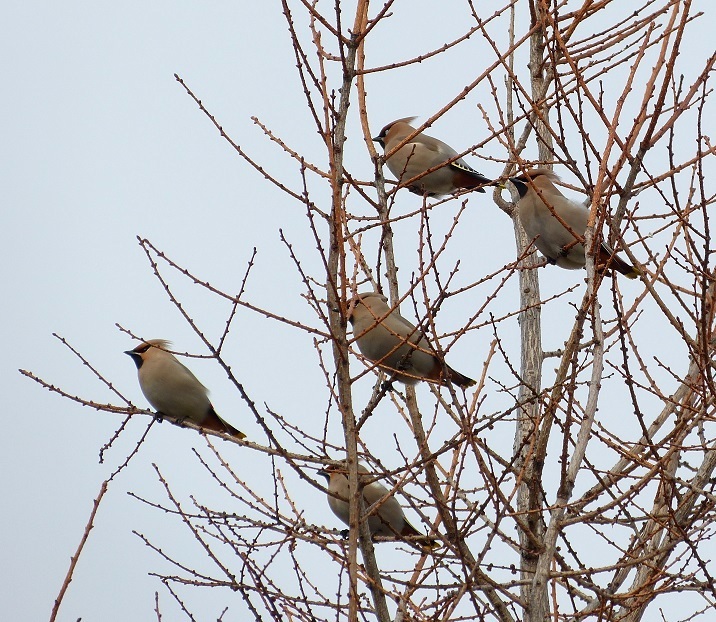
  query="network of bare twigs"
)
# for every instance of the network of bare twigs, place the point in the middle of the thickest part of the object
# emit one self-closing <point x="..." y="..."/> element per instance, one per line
<point x="582" y="516"/>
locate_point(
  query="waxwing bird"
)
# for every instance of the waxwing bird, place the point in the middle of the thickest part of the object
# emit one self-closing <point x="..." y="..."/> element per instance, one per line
<point x="173" y="390"/>
<point x="423" y="153"/>
<point x="555" y="241"/>
<point x="386" y="517"/>
<point x="394" y="344"/>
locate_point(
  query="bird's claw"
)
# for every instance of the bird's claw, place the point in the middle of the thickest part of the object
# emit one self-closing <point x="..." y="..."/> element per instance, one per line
<point x="387" y="386"/>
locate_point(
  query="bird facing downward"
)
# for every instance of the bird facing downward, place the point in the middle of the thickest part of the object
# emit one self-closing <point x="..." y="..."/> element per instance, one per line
<point x="394" y="344"/>
<point x="423" y="153"/>
<point x="555" y="241"/>
<point x="386" y="517"/>
<point x="172" y="390"/>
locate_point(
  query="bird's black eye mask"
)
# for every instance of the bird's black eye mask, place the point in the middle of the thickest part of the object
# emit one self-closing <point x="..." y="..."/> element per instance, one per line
<point x="521" y="183"/>
<point x="136" y="354"/>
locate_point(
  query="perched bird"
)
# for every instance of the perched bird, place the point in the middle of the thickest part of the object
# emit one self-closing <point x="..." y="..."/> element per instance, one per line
<point x="555" y="241"/>
<point x="386" y="517"/>
<point x="388" y="339"/>
<point x="173" y="390"/>
<point x="423" y="153"/>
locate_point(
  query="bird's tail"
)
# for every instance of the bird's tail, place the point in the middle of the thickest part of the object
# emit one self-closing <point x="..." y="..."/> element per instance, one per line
<point x="459" y="379"/>
<point x="614" y="262"/>
<point x="419" y="538"/>
<point x="216" y="423"/>
<point x="621" y="266"/>
<point x="234" y="432"/>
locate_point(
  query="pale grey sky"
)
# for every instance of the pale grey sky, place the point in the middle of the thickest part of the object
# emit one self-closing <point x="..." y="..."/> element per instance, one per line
<point x="101" y="144"/>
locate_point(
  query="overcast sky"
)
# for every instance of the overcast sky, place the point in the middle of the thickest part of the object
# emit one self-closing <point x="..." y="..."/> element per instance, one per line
<point x="101" y="144"/>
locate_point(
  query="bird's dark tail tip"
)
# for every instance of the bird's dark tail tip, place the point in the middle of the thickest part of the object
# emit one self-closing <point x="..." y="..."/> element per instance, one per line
<point x="216" y="423"/>
<point x="460" y="380"/>
<point x="428" y="543"/>
<point x="633" y="273"/>
<point x="230" y="429"/>
<point x="413" y="535"/>
<point x="621" y="266"/>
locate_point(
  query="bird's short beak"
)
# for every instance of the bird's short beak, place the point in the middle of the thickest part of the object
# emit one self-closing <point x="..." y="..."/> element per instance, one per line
<point x="378" y="140"/>
<point x="323" y="473"/>
<point x="129" y="352"/>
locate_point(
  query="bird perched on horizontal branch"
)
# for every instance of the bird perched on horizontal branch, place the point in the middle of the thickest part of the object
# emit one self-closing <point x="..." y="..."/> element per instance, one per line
<point x="395" y="345"/>
<point x="385" y="516"/>
<point x="172" y="390"/>
<point x="557" y="224"/>
<point x="423" y="153"/>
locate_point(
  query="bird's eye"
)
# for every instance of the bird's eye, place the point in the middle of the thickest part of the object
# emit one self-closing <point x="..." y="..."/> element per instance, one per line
<point x="141" y="349"/>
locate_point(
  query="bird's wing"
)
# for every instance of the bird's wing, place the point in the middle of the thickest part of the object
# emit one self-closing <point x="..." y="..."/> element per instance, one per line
<point x="574" y="214"/>
<point x="461" y="165"/>
<point x="186" y="373"/>
<point x="435" y="146"/>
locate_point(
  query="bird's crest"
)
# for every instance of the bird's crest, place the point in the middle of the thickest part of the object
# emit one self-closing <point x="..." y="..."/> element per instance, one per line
<point x="386" y="129"/>
<point x="533" y="173"/>
<point x="162" y="344"/>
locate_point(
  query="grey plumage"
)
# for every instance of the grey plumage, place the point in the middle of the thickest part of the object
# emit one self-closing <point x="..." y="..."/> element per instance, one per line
<point x="388" y="339"/>
<point x="171" y="388"/>
<point x="423" y="153"/>
<point x="551" y="237"/>
<point x="386" y="517"/>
